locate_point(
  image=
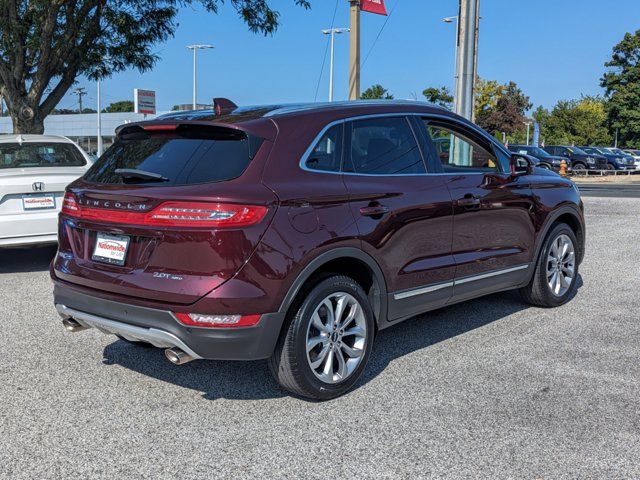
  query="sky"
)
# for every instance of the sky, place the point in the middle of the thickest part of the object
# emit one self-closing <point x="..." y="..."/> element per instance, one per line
<point x="553" y="49"/>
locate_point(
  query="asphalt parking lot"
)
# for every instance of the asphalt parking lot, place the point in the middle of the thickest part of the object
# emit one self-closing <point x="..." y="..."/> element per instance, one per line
<point x="486" y="389"/>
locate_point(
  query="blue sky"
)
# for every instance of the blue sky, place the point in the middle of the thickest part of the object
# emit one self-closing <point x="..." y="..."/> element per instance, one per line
<point x="553" y="49"/>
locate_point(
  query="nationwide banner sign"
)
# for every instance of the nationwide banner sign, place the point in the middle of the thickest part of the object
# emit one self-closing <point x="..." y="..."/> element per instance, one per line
<point x="373" y="6"/>
<point x="144" y="101"/>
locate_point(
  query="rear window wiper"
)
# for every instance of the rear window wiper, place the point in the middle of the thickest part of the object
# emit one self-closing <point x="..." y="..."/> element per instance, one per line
<point x="134" y="173"/>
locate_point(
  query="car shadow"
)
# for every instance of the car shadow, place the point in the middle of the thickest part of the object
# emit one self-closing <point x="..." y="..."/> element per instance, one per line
<point x="26" y="259"/>
<point x="252" y="380"/>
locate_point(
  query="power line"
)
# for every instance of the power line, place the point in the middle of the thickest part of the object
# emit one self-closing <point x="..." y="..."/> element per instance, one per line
<point x="326" y="49"/>
<point x="380" y="32"/>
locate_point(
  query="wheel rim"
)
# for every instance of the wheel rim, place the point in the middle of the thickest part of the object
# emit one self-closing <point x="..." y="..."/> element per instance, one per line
<point x="336" y="337"/>
<point x="561" y="265"/>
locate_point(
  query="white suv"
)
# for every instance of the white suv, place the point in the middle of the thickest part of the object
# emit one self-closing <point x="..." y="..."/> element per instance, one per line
<point x="34" y="171"/>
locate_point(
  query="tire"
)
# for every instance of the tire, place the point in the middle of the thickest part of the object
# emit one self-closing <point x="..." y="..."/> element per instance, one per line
<point x="303" y="373"/>
<point x="539" y="291"/>
<point x="544" y="166"/>
<point x="610" y="167"/>
<point x="579" y="167"/>
<point x="137" y="344"/>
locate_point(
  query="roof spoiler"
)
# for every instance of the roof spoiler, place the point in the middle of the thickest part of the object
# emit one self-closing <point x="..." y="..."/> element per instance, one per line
<point x="223" y="106"/>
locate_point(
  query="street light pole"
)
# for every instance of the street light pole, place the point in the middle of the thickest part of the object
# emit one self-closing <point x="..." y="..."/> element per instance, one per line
<point x="528" y="124"/>
<point x="100" y="146"/>
<point x="455" y="73"/>
<point x="332" y="32"/>
<point x="195" y="49"/>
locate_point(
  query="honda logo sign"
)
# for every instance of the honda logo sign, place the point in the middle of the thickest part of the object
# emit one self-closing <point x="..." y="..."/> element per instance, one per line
<point x="38" y="186"/>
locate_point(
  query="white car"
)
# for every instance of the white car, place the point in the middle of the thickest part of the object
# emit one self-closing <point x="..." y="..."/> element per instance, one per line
<point x="636" y="156"/>
<point x="34" y="171"/>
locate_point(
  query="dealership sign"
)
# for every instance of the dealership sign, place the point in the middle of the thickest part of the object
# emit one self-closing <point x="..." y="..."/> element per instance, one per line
<point x="373" y="6"/>
<point x="144" y="101"/>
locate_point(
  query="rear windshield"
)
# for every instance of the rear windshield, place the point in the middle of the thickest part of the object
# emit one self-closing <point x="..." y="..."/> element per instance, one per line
<point x="32" y="155"/>
<point x="184" y="156"/>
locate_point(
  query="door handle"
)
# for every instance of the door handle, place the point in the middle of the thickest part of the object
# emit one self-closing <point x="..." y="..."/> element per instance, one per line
<point x="469" y="201"/>
<point x="374" y="210"/>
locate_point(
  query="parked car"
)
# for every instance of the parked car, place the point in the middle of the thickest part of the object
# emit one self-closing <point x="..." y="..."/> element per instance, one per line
<point x="34" y="171"/>
<point x="542" y="158"/>
<point x="580" y="160"/>
<point x="295" y="233"/>
<point x="616" y="160"/>
<point x="636" y="156"/>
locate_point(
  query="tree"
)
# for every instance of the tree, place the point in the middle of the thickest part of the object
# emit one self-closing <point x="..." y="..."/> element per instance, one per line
<point x="575" y="122"/>
<point x="376" y="92"/>
<point x="439" y="96"/>
<point x="622" y="90"/>
<point x="487" y="93"/>
<point x="508" y="113"/>
<point x="121" y="106"/>
<point x="46" y="44"/>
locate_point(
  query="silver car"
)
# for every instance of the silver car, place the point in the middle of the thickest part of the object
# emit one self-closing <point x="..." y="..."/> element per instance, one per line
<point x="34" y="171"/>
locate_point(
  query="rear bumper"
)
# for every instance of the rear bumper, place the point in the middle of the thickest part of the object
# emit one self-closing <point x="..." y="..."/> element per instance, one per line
<point x="160" y="327"/>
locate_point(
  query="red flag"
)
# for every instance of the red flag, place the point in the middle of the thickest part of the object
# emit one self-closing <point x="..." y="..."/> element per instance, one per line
<point x="373" y="6"/>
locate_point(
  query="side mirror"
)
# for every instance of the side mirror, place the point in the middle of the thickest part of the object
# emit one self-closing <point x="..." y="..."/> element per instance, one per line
<point x="521" y="165"/>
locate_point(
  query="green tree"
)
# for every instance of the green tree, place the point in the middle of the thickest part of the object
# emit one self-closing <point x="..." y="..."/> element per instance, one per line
<point x="121" y="106"/>
<point x="622" y="90"/>
<point x="46" y="44"/>
<point x="508" y="113"/>
<point x="439" y="96"/>
<point x="376" y="92"/>
<point x="575" y="122"/>
<point x="487" y="93"/>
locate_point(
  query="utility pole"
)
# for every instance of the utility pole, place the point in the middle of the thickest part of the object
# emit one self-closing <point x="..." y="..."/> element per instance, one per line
<point x="195" y="49"/>
<point x="467" y="56"/>
<point x="332" y="32"/>
<point x="80" y="91"/>
<point x="354" y="51"/>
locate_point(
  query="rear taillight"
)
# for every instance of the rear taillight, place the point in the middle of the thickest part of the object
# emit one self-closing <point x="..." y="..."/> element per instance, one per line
<point x="69" y="205"/>
<point x="172" y="214"/>
<point x="217" y="321"/>
<point x="181" y="214"/>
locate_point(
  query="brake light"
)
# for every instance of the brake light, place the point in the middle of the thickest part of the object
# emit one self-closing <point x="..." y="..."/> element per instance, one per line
<point x="217" y="321"/>
<point x="69" y="205"/>
<point x="172" y="214"/>
<point x="160" y="128"/>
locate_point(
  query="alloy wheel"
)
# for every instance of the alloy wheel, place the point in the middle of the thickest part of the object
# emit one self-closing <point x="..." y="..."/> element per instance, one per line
<point x="561" y="265"/>
<point x="336" y="337"/>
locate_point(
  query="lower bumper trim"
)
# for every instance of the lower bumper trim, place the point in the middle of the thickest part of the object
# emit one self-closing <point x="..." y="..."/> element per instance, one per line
<point x="156" y="337"/>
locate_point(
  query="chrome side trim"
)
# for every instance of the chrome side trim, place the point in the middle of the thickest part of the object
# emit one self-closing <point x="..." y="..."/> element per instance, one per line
<point x="158" y="338"/>
<point x="495" y="273"/>
<point x="421" y="290"/>
<point x="440" y="286"/>
<point x="437" y="116"/>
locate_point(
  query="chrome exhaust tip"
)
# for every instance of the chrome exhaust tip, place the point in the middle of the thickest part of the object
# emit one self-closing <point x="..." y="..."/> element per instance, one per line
<point x="71" y="325"/>
<point x="177" y="356"/>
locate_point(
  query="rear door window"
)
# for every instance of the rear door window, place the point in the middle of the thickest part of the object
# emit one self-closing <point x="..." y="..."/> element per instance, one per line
<point x="384" y="146"/>
<point x="33" y="155"/>
<point x="326" y="155"/>
<point x="184" y="156"/>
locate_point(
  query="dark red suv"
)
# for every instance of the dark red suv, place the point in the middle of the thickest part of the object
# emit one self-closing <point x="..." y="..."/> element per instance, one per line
<point x="295" y="233"/>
